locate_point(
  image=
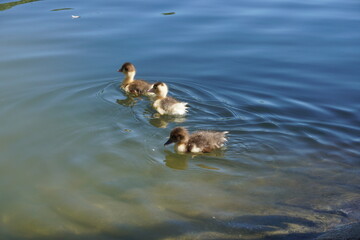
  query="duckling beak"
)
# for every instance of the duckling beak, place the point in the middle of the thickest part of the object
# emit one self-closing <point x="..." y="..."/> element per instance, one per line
<point x="168" y="142"/>
<point x="120" y="70"/>
<point x="151" y="90"/>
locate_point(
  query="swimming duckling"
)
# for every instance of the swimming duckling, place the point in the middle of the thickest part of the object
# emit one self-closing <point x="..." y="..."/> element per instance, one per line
<point x="136" y="87"/>
<point x="166" y="105"/>
<point x="199" y="141"/>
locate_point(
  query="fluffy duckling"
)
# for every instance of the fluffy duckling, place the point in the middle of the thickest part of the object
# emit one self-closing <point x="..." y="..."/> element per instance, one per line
<point x="129" y="84"/>
<point x="166" y="105"/>
<point x="198" y="142"/>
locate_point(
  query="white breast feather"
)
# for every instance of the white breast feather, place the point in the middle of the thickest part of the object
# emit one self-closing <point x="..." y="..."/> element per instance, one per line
<point x="195" y="149"/>
<point x="180" y="147"/>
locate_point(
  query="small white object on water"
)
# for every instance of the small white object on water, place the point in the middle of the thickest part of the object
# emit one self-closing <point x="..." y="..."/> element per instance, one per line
<point x="74" y="16"/>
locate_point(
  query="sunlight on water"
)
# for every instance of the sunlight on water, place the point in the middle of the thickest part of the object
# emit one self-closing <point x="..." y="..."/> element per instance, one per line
<point x="79" y="159"/>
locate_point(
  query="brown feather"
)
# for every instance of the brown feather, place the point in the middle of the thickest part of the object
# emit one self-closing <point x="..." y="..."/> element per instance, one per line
<point x="167" y="103"/>
<point x="139" y="87"/>
<point x="128" y="67"/>
<point x="206" y="141"/>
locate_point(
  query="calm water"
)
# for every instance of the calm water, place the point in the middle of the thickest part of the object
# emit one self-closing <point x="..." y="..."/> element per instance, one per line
<point x="78" y="160"/>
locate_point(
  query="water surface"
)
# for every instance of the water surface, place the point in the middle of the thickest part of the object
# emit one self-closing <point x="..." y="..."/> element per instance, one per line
<point x="80" y="160"/>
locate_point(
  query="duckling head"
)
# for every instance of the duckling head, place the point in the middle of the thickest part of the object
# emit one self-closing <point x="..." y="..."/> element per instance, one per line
<point x="128" y="69"/>
<point x="160" y="89"/>
<point x="178" y="135"/>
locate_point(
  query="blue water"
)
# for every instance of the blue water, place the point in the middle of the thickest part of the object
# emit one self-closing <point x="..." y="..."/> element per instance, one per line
<point x="80" y="160"/>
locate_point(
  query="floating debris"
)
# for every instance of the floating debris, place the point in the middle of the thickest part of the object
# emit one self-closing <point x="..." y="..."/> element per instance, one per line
<point x="61" y="9"/>
<point x="207" y="167"/>
<point x="169" y="13"/>
<point x="74" y="16"/>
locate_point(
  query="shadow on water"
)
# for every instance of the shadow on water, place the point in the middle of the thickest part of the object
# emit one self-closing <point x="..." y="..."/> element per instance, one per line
<point x="201" y="227"/>
<point x="8" y="5"/>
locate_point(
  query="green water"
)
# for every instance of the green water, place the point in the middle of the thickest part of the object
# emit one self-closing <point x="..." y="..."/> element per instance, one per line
<point x="78" y="160"/>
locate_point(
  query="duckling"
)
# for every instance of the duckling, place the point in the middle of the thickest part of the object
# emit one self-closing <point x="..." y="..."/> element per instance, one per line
<point x="136" y="87"/>
<point x="198" y="142"/>
<point x="166" y="105"/>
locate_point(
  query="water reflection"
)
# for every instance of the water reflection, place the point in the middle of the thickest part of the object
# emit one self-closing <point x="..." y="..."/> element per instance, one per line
<point x="129" y="101"/>
<point x="6" y="6"/>
<point x="175" y="160"/>
<point x="162" y="121"/>
<point x="181" y="161"/>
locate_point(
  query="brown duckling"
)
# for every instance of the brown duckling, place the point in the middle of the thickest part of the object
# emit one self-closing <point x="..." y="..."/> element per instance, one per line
<point x="197" y="142"/>
<point x="130" y="85"/>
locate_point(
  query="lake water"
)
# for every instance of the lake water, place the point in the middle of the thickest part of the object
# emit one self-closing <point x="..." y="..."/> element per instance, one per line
<point x="78" y="160"/>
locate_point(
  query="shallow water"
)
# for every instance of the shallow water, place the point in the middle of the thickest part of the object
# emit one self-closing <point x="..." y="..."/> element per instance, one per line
<point x="80" y="160"/>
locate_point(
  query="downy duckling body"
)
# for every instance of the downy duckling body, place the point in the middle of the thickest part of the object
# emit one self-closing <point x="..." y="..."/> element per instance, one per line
<point x="198" y="142"/>
<point x="130" y="85"/>
<point x="166" y="105"/>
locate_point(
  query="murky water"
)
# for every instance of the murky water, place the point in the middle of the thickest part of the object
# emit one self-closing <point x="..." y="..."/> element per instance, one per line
<point x="80" y="160"/>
